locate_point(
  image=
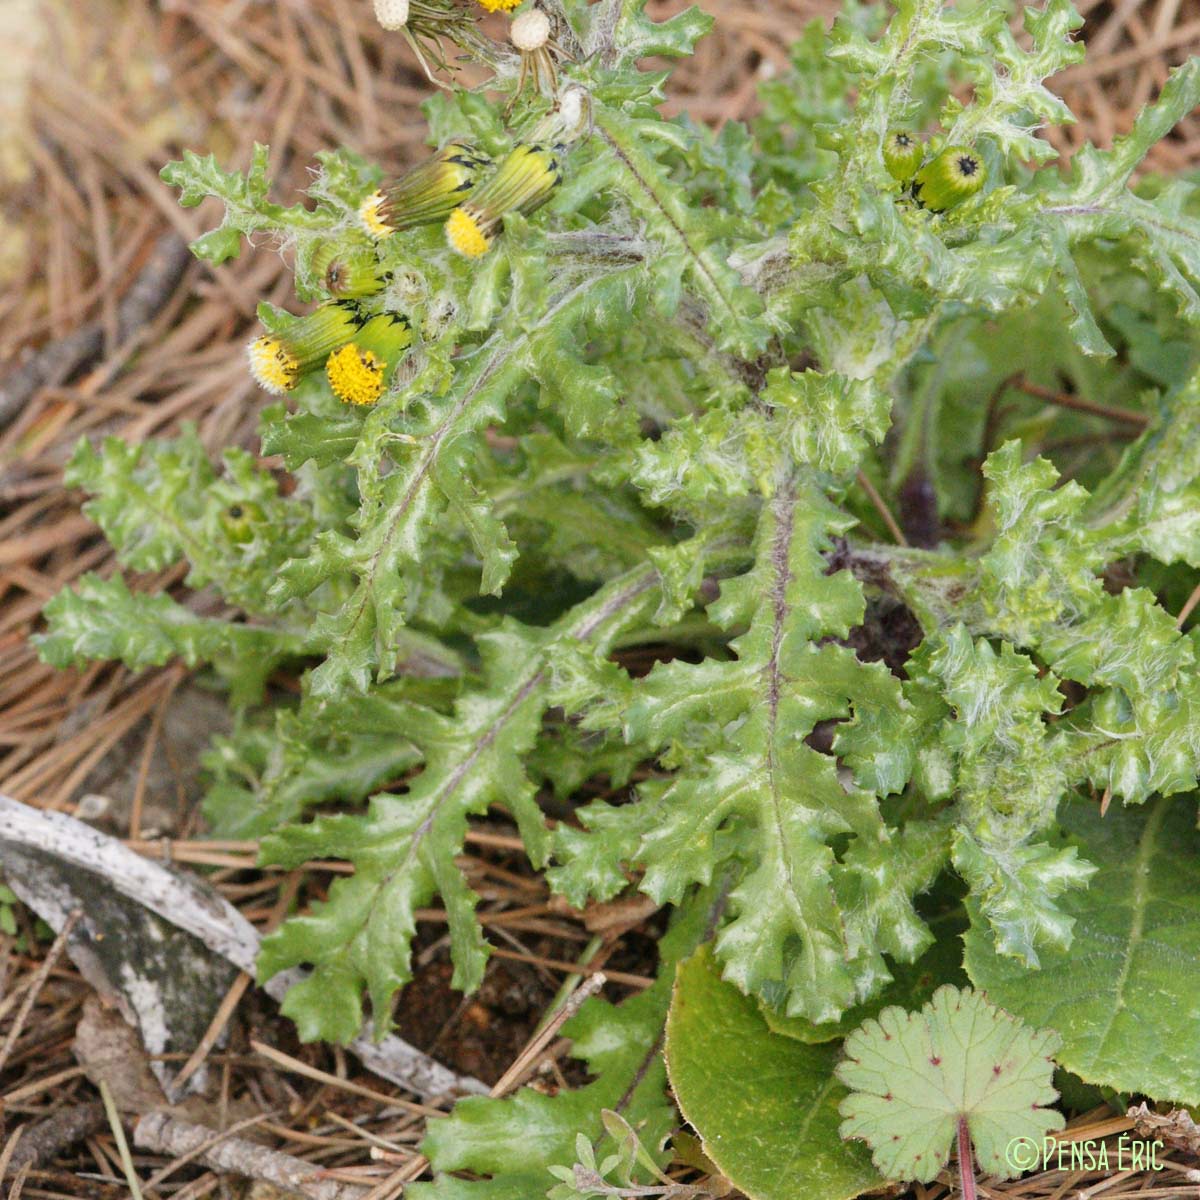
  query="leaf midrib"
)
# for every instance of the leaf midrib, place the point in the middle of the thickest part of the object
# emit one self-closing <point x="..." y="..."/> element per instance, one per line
<point x="1140" y="899"/>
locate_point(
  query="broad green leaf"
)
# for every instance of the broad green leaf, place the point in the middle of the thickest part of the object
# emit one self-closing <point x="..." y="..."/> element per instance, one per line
<point x="765" y="1106"/>
<point x="914" y="1077"/>
<point x="1127" y="995"/>
<point x="1151" y="501"/>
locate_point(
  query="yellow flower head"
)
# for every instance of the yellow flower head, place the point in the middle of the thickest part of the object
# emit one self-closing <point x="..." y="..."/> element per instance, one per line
<point x="499" y="5"/>
<point x="523" y="181"/>
<point x="425" y="195"/>
<point x="355" y="374"/>
<point x="369" y="218"/>
<point x="359" y="372"/>
<point x="278" y="361"/>
<point x="464" y="234"/>
<point x="274" y="367"/>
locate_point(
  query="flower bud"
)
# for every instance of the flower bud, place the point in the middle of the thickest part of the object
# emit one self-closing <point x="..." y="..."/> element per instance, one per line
<point x="426" y="194"/>
<point x="347" y="272"/>
<point x="902" y="154"/>
<point x="359" y="371"/>
<point x="522" y="182"/>
<point x="278" y="361"/>
<point x="956" y="173"/>
<point x="239" y="520"/>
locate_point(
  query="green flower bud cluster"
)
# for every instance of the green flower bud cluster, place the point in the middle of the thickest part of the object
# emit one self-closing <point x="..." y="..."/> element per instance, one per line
<point x="948" y="178"/>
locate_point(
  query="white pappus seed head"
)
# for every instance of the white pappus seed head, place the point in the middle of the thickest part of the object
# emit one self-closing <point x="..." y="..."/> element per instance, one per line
<point x="392" y="14"/>
<point x="571" y="113"/>
<point x="530" y="30"/>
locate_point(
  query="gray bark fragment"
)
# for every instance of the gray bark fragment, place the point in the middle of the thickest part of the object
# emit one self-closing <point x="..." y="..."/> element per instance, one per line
<point x="56" y="864"/>
<point x="164" y="981"/>
<point x="163" y="1134"/>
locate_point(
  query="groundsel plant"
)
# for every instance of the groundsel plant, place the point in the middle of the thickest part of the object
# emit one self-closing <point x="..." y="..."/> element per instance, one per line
<point x="780" y="403"/>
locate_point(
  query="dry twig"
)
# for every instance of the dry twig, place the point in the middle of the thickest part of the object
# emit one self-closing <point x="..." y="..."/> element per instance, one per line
<point x="164" y="1134"/>
<point x="52" y="956"/>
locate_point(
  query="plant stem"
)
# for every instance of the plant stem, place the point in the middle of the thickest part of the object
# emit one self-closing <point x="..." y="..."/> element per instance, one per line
<point x="1112" y="413"/>
<point x="881" y="508"/>
<point x="966" y="1163"/>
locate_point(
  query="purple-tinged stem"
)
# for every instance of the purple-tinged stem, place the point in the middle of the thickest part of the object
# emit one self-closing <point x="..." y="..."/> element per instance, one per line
<point x="966" y="1162"/>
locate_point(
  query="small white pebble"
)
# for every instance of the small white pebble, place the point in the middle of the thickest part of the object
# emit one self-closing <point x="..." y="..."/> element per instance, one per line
<point x="531" y="30"/>
<point x="392" y="14"/>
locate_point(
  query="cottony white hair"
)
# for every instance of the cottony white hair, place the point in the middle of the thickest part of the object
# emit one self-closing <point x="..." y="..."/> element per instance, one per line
<point x="392" y="14"/>
<point x="531" y="30"/>
<point x="570" y="109"/>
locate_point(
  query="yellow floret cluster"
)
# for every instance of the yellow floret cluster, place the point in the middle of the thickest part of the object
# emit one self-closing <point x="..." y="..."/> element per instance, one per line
<point x="370" y="218"/>
<point x="464" y="234"/>
<point x="275" y="370"/>
<point x="356" y="375"/>
<point x="361" y="342"/>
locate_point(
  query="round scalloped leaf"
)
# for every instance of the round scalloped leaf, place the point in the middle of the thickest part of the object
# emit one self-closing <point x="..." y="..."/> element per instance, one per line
<point x="914" y="1076"/>
<point x="764" y="1105"/>
<point x="1126" y="996"/>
